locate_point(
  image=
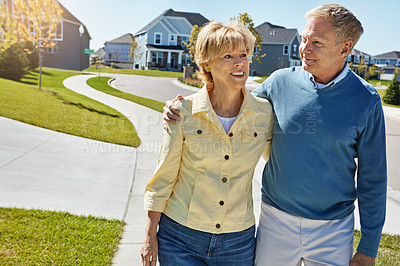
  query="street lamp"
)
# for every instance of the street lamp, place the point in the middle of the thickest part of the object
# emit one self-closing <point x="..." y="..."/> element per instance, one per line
<point x="81" y="31"/>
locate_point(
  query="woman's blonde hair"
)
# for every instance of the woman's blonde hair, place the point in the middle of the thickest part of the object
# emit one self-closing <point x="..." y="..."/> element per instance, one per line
<point x="344" y="22"/>
<point x="215" y="39"/>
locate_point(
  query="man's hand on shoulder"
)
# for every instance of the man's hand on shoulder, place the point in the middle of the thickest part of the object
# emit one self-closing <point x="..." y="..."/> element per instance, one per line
<point x="361" y="259"/>
<point x="171" y="112"/>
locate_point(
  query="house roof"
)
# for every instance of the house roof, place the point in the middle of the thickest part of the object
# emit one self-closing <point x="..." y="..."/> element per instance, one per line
<point x="275" y="34"/>
<point x="193" y="18"/>
<point x="126" y="38"/>
<point x="67" y="15"/>
<point x="390" y="55"/>
<point x="358" y="52"/>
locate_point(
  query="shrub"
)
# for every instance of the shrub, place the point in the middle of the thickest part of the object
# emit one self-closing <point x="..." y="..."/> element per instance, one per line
<point x="14" y="62"/>
<point x="33" y="55"/>
<point x="192" y="82"/>
<point x="392" y="94"/>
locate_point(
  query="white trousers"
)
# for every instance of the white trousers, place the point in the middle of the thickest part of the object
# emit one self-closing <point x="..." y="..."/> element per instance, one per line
<point x="285" y="239"/>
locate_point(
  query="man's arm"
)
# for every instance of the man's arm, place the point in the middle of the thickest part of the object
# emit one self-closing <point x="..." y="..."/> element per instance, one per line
<point x="361" y="259"/>
<point x="372" y="180"/>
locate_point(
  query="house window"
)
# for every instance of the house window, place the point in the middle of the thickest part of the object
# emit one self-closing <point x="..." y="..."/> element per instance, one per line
<point x="157" y="38"/>
<point x="185" y="39"/>
<point x="294" y="48"/>
<point x="172" y="39"/>
<point x="286" y="49"/>
<point x="272" y="32"/>
<point x="157" y="57"/>
<point x="53" y="50"/>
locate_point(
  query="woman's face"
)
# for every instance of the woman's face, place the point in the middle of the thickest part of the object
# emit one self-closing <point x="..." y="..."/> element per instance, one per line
<point x="230" y="70"/>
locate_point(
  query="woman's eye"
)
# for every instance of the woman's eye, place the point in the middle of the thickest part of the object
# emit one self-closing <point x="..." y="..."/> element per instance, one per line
<point x="227" y="56"/>
<point x="243" y="55"/>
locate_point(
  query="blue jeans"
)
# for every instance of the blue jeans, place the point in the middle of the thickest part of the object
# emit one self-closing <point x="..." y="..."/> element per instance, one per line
<point x="179" y="245"/>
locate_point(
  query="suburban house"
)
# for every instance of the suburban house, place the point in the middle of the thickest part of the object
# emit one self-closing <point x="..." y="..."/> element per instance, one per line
<point x="387" y="63"/>
<point x="117" y="51"/>
<point x="359" y="61"/>
<point x="280" y="48"/>
<point x="357" y="57"/>
<point x="161" y="42"/>
<point x="72" y="38"/>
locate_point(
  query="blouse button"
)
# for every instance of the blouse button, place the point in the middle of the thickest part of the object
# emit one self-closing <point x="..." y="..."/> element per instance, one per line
<point x="224" y="179"/>
<point x="226" y="157"/>
<point x="218" y="226"/>
<point x="230" y="134"/>
<point x="221" y="202"/>
<point x="199" y="131"/>
<point x="255" y="134"/>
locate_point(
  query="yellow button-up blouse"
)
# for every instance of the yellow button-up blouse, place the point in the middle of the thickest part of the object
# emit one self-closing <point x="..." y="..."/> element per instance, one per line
<point x="203" y="179"/>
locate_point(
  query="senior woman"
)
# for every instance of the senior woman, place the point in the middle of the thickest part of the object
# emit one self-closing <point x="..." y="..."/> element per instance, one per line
<point x="200" y="196"/>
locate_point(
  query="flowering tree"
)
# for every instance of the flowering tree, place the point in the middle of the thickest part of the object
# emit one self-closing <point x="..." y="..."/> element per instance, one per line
<point x="36" y="22"/>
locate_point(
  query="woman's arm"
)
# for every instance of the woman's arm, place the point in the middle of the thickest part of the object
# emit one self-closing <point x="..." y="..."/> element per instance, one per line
<point x="149" y="249"/>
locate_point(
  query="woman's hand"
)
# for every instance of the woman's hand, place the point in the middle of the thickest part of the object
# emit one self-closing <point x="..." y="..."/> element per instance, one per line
<point x="171" y="112"/>
<point x="149" y="250"/>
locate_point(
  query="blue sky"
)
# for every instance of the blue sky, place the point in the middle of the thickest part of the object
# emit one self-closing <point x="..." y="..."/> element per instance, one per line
<point x="107" y="20"/>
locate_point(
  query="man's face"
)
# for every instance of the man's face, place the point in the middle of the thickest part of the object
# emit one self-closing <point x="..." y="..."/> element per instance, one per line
<point x="320" y="53"/>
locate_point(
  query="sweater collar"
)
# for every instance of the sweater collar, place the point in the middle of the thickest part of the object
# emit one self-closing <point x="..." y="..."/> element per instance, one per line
<point x="333" y="82"/>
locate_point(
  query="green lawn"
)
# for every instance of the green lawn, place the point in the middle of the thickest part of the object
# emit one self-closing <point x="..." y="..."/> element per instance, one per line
<point x="59" y="109"/>
<point x="36" y="237"/>
<point x="389" y="249"/>
<point x="102" y="85"/>
<point x="262" y="79"/>
<point x="152" y="73"/>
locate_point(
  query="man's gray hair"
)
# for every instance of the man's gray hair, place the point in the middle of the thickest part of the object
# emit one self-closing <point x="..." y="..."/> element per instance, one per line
<point x="345" y="23"/>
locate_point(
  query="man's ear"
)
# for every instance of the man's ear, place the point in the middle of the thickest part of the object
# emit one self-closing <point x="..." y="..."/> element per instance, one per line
<point x="346" y="48"/>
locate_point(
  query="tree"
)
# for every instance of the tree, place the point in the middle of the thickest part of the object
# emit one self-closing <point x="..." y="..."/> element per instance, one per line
<point x="392" y="94"/>
<point x="134" y="53"/>
<point x="8" y="28"/>
<point x="191" y="46"/>
<point x="362" y="65"/>
<point x="247" y="21"/>
<point x="38" y="24"/>
<point x="372" y="72"/>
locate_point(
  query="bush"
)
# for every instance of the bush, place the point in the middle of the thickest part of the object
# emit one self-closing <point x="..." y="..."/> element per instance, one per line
<point x="192" y="82"/>
<point x="33" y="55"/>
<point x="14" y="62"/>
<point x="392" y="94"/>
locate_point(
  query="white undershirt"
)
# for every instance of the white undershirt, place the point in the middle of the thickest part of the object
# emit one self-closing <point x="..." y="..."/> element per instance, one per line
<point x="227" y="122"/>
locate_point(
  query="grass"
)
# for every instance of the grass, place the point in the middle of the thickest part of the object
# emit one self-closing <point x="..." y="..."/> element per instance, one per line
<point x="262" y="79"/>
<point x="151" y="73"/>
<point x="59" y="109"/>
<point x="37" y="237"/>
<point x="102" y="85"/>
<point x="389" y="249"/>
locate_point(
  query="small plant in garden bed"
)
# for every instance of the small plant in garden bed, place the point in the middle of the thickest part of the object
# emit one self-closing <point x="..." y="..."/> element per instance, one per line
<point x="192" y="82"/>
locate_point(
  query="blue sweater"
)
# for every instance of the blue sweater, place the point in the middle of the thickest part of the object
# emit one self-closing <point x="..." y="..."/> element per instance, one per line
<point x="317" y="136"/>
